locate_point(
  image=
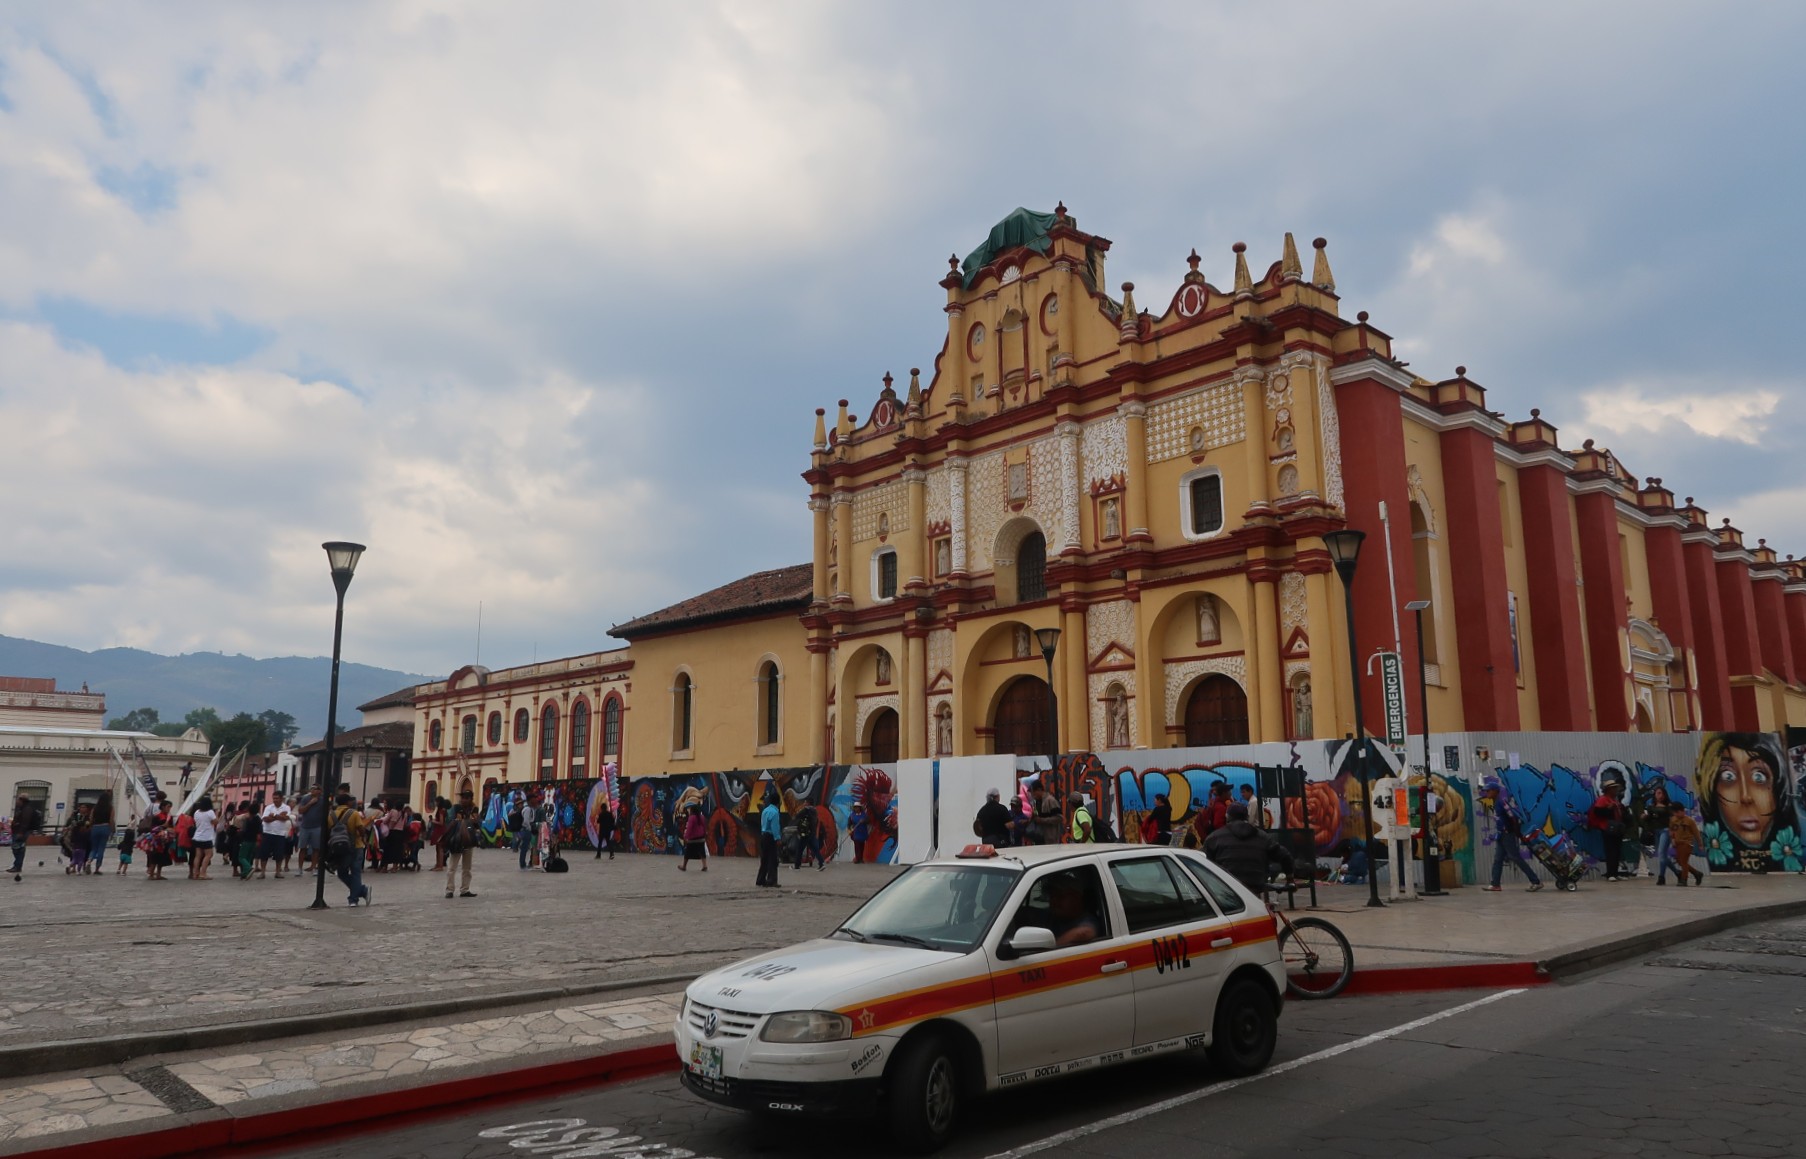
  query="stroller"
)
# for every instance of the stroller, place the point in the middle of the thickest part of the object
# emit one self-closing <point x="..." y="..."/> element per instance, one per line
<point x="1561" y="857"/>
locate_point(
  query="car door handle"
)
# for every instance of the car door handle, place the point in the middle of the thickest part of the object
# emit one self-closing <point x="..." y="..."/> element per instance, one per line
<point x="1219" y="943"/>
<point x="1114" y="967"/>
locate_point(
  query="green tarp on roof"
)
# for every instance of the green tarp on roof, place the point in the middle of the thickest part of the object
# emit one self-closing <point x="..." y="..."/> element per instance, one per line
<point x="1023" y="227"/>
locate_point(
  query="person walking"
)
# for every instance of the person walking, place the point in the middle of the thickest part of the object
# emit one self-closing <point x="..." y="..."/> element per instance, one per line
<point x="525" y="842"/>
<point x="395" y="843"/>
<point x="19" y="829"/>
<point x="206" y="836"/>
<point x="992" y="824"/>
<point x="1509" y="843"/>
<point x="1245" y="851"/>
<point x="128" y="841"/>
<point x="347" y="829"/>
<point x="1607" y="817"/>
<point x="460" y="845"/>
<point x="1656" y="816"/>
<point x="100" y="830"/>
<point x="771" y="831"/>
<point x="695" y="837"/>
<point x="310" y="815"/>
<point x="435" y="831"/>
<point x="605" y="831"/>
<point x="808" y="837"/>
<point x="249" y="824"/>
<point x="1683" y="838"/>
<point x="1084" y="830"/>
<point x="156" y="839"/>
<point x="1048" y="819"/>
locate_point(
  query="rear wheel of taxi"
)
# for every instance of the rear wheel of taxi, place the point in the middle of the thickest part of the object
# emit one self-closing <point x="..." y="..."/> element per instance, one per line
<point x="924" y="1093"/>
<point x="1246" y="1028"/>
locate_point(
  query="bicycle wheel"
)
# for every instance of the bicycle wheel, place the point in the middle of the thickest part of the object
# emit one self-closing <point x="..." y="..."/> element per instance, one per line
<point x="1318" y="959"/>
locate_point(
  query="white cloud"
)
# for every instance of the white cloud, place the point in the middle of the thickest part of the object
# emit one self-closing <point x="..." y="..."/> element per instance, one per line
<point x="1738" y="415"/>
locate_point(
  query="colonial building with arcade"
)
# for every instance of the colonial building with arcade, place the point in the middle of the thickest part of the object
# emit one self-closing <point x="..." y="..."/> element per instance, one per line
<point x="1135" y="501"/>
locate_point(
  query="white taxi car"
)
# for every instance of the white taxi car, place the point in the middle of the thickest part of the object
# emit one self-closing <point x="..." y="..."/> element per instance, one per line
<point x="991" y="969"/>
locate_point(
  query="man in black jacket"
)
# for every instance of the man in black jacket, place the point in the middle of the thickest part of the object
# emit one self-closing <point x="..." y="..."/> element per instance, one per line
<point x="1244" y="852"/>
<point x="992" y="825"/>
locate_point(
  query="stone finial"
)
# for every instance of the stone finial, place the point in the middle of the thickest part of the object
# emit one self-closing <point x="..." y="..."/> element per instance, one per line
<point x="1727" y="521"/>
<point x="1689" y="500"/>
<point x="887" y="392"/>
<point x="1361" y="316"/>
<point x="1535" y="413"/>
<point x="1060" y="210"/>
<point x="1192" y="259"/>
<point x="1244" y="285"/>
<point x="840" y="424"/>
<point x="915" y="388"/>
<point x="1587" y="446"/>
<point x="1461" y="372"/>
<point x="821" y="429"/>
<point x="953" y="263"/>
<point x="1290" y="268"/>
<point x="1131" y="322"/>
<point x="1320" y="269"/>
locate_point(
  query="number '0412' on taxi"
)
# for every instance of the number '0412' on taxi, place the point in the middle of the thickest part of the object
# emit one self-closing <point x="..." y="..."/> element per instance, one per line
<point x="993" y="969"/>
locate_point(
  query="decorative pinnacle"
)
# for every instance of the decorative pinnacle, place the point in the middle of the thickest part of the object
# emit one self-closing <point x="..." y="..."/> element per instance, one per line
<point x="1131" y="323"/>
<point x="953" y="262"/>
<point x="1060" y="209"/>
<point x="1535" y="414"/>
<point x="1361" y="317"/>
<point x="1689" y="500"/>
<point x="887" y="382"/>
<point x="1587" y="446"/>
<point x="1461" y="372"/>
<point x="1289" y="265"/>
<point x="1192" y="259"/>
<point x="1727" y="521"/>
<point x="1320" y="271"/>
<point x="915" y="388"/>
<point x="1243" y="283"/>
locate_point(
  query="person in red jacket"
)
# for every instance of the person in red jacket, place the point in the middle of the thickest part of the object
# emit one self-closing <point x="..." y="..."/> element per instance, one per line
<point x="1607" y="816"/>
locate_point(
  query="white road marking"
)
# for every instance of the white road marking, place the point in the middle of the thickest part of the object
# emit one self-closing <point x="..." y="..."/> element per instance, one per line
<point x="1140" y="1113"/>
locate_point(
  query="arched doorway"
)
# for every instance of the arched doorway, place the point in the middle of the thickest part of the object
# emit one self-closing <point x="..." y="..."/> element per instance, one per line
<point x="1020" y="725"/>
<point x="883" y="749"/>
<point x="1216" y="713"/>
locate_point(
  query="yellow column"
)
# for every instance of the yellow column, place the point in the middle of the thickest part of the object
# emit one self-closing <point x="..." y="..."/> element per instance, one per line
<point x="913" y="717"/>
<point x="1150" y="683"/>
<point x="1075" y="701"/>
<point x="818" y="508"/>
<point x="1135" y="422"/>
<point x="1254" y="407"/>
<point x="912" y="545"/>
<point x="843" y="535"/>
<point x="1332" y="710"/>
<point x="817" y="748"/>
<point x="1265" y="668"/>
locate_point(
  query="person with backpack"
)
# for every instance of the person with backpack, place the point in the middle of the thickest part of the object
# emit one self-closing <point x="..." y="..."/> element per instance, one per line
<point x="1082" y="826"/>
<point x="24" y="820"/>
<point x="347" y="842"/>
<point x="808" y="837"/>
<point x="460" y="842"/>
<point x="521" y="822"/>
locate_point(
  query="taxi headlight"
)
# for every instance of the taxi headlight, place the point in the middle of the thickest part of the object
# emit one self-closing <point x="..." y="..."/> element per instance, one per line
<point x="807" y="1026"/>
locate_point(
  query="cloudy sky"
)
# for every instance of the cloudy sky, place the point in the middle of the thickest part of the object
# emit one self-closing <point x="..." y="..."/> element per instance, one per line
<point x="538" y="299"/>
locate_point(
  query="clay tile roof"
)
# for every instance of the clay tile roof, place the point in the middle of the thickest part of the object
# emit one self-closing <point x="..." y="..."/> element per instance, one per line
<point x="394" y="735"/>
<point x="400" y="698"/>
<point x="762" y="593"/>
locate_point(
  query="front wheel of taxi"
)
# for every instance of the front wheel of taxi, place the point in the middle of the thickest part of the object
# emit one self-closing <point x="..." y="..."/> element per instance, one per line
<point x="924" y="1095"/>
<point x="1246" y="1028"/>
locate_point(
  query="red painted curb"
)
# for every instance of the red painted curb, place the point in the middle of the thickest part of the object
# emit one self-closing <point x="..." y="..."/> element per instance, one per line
<point x="1467" y="976"/>
<point x="213" y="1133"/>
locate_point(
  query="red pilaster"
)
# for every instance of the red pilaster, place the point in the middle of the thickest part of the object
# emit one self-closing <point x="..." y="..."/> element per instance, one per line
<point x="1771" y="613"/>
<point x="1561" y="673"/>
<point x="1669" y="600"/>
<point x="1373" y="470"/>
<point x="1697" y="546"/>
<point x="1796" y="624"/>
<point x="1742" y="642"/>
<point x="1608" y="620"/>
<point x="1470" y="480"/>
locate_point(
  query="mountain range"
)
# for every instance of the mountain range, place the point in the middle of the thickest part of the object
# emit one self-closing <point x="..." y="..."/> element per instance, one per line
<point x="173" y="685"/>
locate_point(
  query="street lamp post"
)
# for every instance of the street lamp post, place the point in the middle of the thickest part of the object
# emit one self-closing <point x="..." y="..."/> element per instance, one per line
<point x="1049" y="639"/>
<point x="1345" y="551"/>
<point x="343" y="559"/>
<point x="1432" y="867"/>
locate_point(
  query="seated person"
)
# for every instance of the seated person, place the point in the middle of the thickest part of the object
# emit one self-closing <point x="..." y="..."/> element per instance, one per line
<point x="1071" y="922"/>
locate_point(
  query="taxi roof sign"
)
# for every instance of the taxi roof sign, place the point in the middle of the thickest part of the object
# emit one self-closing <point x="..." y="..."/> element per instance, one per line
<point x="978" y="851"/>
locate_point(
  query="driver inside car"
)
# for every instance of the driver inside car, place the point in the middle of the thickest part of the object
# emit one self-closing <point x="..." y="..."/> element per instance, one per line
<point x="1071" y="923"/>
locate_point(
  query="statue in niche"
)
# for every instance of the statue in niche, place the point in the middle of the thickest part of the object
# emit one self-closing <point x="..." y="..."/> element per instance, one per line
<point x="1118" y="710"/>
<point x="943" y="732"/>
<point x="883" y="666"/>
<point x="943" y="557"/>
<point x="1024" y="646"/>
<point x="1018" y="482"/>
<point x="883" y="524"/>
<point x="1302" y="726"/>
<point x="1112" y="520"/>
<point x="1210" y="628"/>
<point x="1285" y="440"/>
<point x="1288" y="480"/>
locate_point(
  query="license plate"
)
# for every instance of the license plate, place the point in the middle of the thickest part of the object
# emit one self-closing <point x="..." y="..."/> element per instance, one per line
<point x="705" y="1061"/>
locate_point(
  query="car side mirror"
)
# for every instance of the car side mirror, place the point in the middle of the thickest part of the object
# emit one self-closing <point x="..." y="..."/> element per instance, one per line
<point x="1031" y="940"/>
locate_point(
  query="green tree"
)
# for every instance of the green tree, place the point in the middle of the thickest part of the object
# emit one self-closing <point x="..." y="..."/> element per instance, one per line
<point x="205" y="719"/>
<point x="279" y="728"/>
<point x="137" y="720"/>
<point x="242" y="731"/>
<point x="169" y="728"/>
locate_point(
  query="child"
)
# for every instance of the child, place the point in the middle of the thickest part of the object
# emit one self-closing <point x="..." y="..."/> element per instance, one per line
<point x="128" y="840"/>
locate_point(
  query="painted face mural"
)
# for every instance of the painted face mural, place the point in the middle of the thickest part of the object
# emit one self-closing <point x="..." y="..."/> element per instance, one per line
<point x="1744" y="790"/>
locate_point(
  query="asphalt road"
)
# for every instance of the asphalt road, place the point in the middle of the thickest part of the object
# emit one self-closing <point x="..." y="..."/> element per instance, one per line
<point x="1700" y="1050"/>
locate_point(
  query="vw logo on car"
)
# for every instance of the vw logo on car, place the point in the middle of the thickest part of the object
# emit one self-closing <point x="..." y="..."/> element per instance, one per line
<point x="711" y="1023"/>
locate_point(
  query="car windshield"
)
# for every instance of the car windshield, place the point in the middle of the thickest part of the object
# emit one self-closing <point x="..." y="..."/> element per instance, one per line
<point x="939" y="907"/>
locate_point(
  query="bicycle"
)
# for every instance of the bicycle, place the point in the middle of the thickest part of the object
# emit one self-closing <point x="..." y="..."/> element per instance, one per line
<point x="1318" y="959"/>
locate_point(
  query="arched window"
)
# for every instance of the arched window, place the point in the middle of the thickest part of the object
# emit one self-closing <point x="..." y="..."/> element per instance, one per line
<point x="769" y="705"/>
<point x="522" y="722"/>
<point x="467" y="735"/>
<point x="495" y="728"/>
<point x="1217" y="713"/>
<point x="548" y="739"/>
<point x="611" y="727"/>
<point x="683" y="702"/>
<point x="1423" y="539"/>
<point x="579" y="737"/>
<point x="435" y="735"/>
<point x="1031" y="568"/>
